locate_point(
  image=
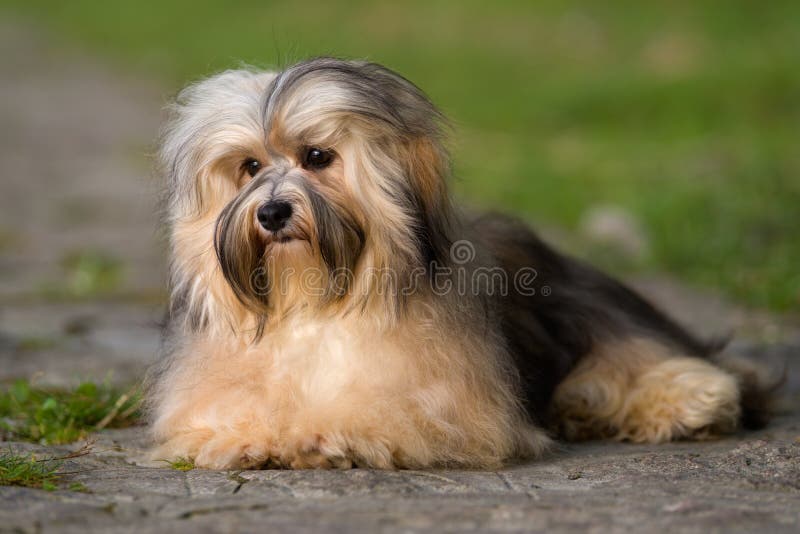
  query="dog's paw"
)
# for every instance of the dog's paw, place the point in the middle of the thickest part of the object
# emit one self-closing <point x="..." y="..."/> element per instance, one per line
<point x="681" y="398"/>
<point x="315" y="451"/>
<point x="231" y="452"/>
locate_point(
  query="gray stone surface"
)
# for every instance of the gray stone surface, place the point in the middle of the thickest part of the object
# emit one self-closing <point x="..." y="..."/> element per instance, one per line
<point x="74" y="169"/>
<point x="74" y="160"/>
<point x="738" y="484"/>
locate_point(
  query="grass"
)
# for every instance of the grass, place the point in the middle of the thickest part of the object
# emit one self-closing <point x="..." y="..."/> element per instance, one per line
<point x="181" y="464"/>
<point x="25" y="470"/>
<point x="86" y="274"/>
<point x="683" y="113"/>
<point x="90" y="273"/>
<point x="53" y="417"/>
<point x="28" y="471"/>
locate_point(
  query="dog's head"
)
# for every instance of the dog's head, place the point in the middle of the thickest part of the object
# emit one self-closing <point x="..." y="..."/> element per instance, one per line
<point x="299" y="187"/>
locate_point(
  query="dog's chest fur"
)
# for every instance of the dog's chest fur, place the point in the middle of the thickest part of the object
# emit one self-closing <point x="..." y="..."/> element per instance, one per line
<point x="407" y="395"/>
<point x="308" y="364"/>
<point x="321" y="360"/>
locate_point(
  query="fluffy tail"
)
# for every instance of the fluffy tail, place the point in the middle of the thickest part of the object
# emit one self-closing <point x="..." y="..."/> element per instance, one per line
<point x="759" y="381"/>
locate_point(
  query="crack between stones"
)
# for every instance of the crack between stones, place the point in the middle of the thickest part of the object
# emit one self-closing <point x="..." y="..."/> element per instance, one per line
<point x="216" y="509"/>
<point x="237" y="477"/>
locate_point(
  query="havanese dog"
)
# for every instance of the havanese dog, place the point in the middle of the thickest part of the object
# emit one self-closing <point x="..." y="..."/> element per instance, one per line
<point x="329" y="307"/>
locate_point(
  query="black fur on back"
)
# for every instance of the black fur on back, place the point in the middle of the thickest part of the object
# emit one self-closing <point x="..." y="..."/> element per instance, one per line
<point x="550" y="331"/>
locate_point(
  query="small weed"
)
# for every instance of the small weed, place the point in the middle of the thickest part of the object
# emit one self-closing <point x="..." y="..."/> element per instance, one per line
<point x="87" y="273"/>
<point x="91" y="273"/>
<point x="28" y="471"/>
<point x="181" y="464"/>
<point x="78" y="486"/>
<point x="23" y="470"/>
<point x="51" y="416"/>
<point x="35" y="343"/>
<point x="7" y="239"/>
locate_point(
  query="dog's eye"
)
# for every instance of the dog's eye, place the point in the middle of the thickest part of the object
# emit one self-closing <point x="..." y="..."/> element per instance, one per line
<point x="252" y="166"/>
<point x="316" y="158"/>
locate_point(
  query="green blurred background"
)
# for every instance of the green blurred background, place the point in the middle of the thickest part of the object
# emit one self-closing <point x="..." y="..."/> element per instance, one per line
<point x="682" y="115"/>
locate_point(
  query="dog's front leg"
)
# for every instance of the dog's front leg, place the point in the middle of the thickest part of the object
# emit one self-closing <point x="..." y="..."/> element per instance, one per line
<point x="345" y="433"/>
<point x="240" y="445"/>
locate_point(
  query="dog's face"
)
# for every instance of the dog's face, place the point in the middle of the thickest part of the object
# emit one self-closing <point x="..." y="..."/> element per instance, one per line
<point x="302" y="182"/>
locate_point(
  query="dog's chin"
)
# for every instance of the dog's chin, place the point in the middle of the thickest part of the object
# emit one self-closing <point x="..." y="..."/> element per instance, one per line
<point x="280" y="238"/>
<point x="287" y="248"/>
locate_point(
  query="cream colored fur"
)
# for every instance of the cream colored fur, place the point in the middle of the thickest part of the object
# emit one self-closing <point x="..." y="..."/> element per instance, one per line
<point x="641" y="391"/>
<point x="331" y="392"/>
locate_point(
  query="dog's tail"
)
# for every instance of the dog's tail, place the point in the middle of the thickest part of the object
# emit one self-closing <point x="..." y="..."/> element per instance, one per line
<point x="759" y="379"/>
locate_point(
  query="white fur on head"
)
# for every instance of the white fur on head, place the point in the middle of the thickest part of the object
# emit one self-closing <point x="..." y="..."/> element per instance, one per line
<point x="213" y="124"/>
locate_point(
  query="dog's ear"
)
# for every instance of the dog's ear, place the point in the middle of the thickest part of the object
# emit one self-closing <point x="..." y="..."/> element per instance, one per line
<point x="210" y="128"/>
<point x="428" y="168"/>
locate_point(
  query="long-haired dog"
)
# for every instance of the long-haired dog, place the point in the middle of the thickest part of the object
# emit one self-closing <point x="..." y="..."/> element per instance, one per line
<point x="329" y="307"/>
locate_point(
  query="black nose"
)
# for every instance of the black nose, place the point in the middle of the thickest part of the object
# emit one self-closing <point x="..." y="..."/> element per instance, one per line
<point x="273" y="215"/>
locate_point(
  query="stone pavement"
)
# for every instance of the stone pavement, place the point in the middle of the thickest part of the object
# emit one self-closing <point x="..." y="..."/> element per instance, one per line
<point x="740" y="484"/>
<point x="74" y="160"/>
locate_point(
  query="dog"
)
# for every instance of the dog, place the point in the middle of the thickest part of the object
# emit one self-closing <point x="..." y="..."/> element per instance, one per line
<point x="330" y="307"/>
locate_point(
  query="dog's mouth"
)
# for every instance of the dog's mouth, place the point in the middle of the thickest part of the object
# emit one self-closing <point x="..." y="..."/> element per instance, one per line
<point x="284" y="236"/>
<point x="281" y="237"/>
